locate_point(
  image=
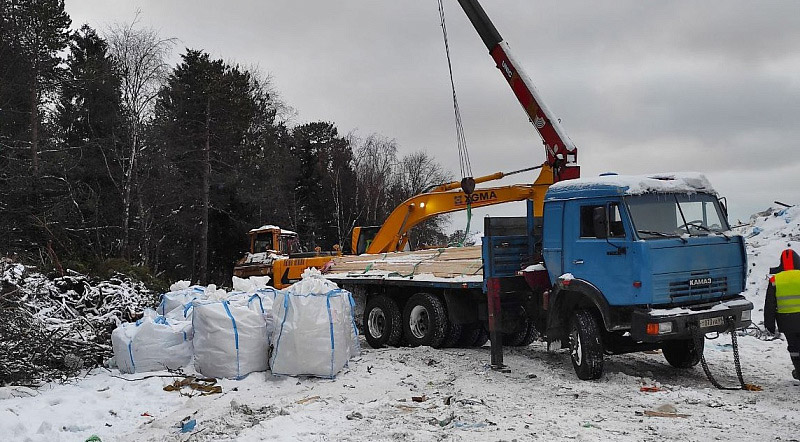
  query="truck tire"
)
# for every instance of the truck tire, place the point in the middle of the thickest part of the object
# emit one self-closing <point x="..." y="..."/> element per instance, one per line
<point x="521" y="338"/>
<point x="424" y="321"/>
<point x="469" y="334"/>
<point x="682" y="353"/>
<point x="586" y="345"/>
<point x="382" y="323"/>
<point x="482" y="338"/>
<point x="453" y="335"/>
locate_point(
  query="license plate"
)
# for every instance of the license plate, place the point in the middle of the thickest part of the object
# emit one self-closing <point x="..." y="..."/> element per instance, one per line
<point x="711" y="322"/>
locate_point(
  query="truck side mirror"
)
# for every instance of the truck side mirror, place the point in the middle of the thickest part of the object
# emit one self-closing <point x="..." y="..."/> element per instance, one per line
<point x="723" y="202"/>
<point x="600" y="222"/>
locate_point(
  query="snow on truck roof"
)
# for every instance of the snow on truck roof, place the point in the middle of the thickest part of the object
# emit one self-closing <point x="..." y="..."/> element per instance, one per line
<point x="271" y="227"/>
<point x="675" y="182"/>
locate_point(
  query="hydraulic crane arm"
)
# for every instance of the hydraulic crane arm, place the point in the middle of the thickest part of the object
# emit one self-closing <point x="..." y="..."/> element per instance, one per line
<point x="562" y="154"/>
<point x="392" y="235"/>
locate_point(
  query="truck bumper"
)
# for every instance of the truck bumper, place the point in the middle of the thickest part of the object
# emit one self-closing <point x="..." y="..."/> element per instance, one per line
<point x="654" y="325"/>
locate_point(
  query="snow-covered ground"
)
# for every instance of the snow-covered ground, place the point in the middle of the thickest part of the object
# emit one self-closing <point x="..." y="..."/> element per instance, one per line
<point x="449" y="394"/>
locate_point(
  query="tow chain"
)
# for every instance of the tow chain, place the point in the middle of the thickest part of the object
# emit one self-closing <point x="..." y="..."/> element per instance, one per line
<point x="699" y="339"/>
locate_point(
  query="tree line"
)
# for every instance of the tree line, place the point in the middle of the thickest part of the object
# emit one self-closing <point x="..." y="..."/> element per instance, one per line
<point x="107" y="152"/>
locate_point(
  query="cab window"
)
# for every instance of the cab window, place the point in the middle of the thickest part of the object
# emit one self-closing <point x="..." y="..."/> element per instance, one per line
<point x="615" y="225"/>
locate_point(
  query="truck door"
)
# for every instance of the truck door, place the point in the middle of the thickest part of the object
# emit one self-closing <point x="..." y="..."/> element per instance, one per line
<point x="606" y="263"/>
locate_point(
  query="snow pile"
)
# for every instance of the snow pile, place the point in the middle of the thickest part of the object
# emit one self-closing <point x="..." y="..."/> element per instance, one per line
<point x="53" y="328"/>
<point x="766" y="235"/>
<point x="683" y="182"/>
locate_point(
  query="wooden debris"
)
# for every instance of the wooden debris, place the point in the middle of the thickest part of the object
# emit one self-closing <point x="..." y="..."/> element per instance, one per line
<point x="652" y="413"/>
<point x="447" y="262"/>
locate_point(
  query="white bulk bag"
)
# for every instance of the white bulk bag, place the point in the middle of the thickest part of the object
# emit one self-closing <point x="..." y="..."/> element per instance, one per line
<point x="230" y="337"/>
<point x="315" y="334"/>
<point x="174" y="303"/>
<point x="152" y="343"/>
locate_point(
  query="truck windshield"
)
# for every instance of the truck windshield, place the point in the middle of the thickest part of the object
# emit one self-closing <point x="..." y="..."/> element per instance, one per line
<point x="667" y="215"/>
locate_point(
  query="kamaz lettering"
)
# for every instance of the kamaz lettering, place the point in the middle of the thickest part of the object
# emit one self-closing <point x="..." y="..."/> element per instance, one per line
<point x="699" y="282"/>
<point x="476" y="197"/>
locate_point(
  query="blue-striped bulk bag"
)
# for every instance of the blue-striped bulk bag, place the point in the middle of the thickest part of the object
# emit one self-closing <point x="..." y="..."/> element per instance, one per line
<point x="230" y="337"/>
<point x="315" y="334"/>
<point x="152" y="343"/>
<point x="174" y="304"/>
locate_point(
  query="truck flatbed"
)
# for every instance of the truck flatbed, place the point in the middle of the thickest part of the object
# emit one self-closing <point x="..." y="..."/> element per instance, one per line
<point x="460" y="267"/>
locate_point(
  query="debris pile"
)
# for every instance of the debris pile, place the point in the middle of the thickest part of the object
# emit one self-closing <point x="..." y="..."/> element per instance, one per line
<point x="53" y="328"/>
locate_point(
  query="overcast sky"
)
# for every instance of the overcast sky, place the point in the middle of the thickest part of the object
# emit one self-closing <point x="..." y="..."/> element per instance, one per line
<point x="640" y="87"/>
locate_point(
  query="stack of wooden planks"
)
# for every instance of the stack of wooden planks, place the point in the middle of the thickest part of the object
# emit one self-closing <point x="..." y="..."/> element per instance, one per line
<point x="447" y="262"/>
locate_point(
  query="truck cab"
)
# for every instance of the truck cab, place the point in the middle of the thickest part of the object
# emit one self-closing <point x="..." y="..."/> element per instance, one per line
<point x="634" y="263"/>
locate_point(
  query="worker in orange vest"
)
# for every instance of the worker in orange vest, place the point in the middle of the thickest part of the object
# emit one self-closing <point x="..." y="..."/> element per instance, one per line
<point x="782" y="304"/>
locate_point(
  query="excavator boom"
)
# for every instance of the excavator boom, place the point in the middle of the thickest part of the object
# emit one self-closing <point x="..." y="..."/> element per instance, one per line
<point x="392" y="235"/>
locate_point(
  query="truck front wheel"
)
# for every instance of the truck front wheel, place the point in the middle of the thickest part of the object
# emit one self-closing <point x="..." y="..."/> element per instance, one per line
<point x="586" y="345"/>
<point x="382" y="324"/>
<point x="424" y="321"/>
<point x="682" y="353"/>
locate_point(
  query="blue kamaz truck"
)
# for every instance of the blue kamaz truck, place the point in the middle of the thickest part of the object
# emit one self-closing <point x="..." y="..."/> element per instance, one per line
<point x="620" y="264"/>
<point x="601" y="266"/>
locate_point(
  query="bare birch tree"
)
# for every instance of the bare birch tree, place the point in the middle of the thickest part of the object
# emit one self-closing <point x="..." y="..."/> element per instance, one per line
<point x="140" y="54"/>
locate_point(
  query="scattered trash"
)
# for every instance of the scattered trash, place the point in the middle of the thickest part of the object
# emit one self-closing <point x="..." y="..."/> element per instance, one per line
<point x="713" y="403"/>
<point x="205" y="386"/>
<point x="307" y="400"/>
<point x="589" y="425"/>
<point x="447" y="400"/>
<point x="532" y="376"/>
<point x="354" y="415"/>
<point x="652" y="413"/>
<point x="650" y="389"/>
<point x="422" y="398"/>
<point x="667" y="408"/>
<point x="753" y="387"/>
<point x="443" y="422"/>
<point x="93" y="438"/>
<point x="187" y="424"/>
<point x="146" y="414"/>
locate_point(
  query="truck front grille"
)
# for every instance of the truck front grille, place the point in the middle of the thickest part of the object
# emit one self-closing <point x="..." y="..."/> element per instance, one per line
<point x="683" y="290"/>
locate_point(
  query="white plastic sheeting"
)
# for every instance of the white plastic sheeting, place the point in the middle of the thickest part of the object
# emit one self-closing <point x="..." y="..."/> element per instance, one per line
<point x="152" y="343"/>
<point x="230" y="336"/>
<point x="315" y="333"/>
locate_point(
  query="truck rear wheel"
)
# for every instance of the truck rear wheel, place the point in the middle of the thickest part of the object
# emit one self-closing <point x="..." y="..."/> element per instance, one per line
<point x="424" y="321"/>
<point x="482" y="338"/>
<point x="586" y="345"/>
<point x="453" y="335"/>
<point x="382" y="323"/>
<point x="521" y="338"/>
<point x="682" y="353"/>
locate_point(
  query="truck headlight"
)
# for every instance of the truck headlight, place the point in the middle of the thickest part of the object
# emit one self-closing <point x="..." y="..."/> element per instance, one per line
<point x="746" y="315"/>
<point x="659" y="328"/>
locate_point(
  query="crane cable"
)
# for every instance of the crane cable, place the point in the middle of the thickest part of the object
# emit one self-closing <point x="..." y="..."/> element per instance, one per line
<point x="463" y="153"/>
<point x="467" y="183"/>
